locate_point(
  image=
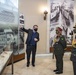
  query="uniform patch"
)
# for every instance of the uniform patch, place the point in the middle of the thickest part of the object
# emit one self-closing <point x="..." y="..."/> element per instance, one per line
<point x="62" y="38"/>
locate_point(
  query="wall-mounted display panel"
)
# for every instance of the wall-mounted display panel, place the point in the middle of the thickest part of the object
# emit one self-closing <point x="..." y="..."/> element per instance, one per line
<point x="61" y="15"/>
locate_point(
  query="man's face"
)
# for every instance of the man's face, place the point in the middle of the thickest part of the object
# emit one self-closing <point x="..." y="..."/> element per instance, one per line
<point x="35" y="28"/>
<point x="58" y="33"/>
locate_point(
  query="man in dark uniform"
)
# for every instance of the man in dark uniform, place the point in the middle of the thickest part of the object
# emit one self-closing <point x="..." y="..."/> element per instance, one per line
<point x="59" y="46"/>
<point x="32" y="39"/>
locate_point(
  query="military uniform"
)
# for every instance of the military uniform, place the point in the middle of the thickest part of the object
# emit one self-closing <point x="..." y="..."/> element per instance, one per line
<point x="59" y="47"/>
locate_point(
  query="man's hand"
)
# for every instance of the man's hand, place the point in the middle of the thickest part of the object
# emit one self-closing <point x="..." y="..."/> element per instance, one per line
<point x="21" y="26"/>
<point x="35" y="39"/>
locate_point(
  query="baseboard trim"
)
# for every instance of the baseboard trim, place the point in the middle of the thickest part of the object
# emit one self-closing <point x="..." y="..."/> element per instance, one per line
<point x="50" y="54"/>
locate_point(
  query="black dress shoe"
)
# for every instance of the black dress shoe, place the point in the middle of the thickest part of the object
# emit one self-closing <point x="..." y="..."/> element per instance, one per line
<point x="27" y="65"/>
<point x="55" y="70"/>
<point x="59" y="72"/>
<point x="33" y="65"/>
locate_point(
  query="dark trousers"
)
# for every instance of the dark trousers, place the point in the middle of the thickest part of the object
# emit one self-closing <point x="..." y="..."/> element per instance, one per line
<point x="31" y="49"/>
<point x="59" y="62"/>
<point x="74" y="67"/>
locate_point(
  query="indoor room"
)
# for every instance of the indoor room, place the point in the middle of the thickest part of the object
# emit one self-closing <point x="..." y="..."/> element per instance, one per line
<point x="37" y="37"/>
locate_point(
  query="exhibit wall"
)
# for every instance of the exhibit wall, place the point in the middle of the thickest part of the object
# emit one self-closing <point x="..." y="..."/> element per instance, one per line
<point x="61" y="15"/>
<point x="75" y="11"/>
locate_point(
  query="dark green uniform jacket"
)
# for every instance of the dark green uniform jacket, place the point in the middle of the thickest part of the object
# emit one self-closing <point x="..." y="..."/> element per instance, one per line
<point x="60" y="46"/>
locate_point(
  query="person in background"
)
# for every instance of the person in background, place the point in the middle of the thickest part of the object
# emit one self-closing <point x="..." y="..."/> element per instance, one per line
<point x="59" y="46"/>
<point x="73" y="55"/>
<point x="32" y="39"/>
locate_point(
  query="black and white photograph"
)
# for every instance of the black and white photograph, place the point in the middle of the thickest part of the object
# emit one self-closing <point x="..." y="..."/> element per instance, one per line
<point x="62" y="15"/>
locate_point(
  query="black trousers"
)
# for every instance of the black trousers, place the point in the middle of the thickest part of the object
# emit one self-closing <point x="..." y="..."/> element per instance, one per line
<point x="31" y="49"/>
<point x="74" y="67"/>
<point x="59" y="62"/>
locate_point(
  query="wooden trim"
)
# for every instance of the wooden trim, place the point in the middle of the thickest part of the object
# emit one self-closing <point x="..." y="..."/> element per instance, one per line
<point x="17" y="58"/>
<point x="69" y="48"/>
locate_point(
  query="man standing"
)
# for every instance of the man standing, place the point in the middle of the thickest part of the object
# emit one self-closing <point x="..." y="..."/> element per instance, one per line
<point x="32" y="39"/>
<point x="59" y="46"/>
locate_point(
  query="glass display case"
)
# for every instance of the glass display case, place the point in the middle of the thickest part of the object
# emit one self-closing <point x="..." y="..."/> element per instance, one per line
<point x="11" y="35"/>
<point x="2" y="41"/>
<point x="11" y="38"/>
<point x="9" y="25"/>
<point x="6" y="41"/>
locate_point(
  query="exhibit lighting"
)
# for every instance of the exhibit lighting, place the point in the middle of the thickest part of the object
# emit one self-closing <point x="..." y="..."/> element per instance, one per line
<point x="45" y="14"/>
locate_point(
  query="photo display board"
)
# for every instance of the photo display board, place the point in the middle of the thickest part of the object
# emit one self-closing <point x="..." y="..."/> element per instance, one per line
<point x="61" y="15"/>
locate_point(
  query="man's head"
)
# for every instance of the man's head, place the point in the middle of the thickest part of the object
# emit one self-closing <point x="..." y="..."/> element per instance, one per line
<point x="58" y="31"/>
<point x="35" y="27"/>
